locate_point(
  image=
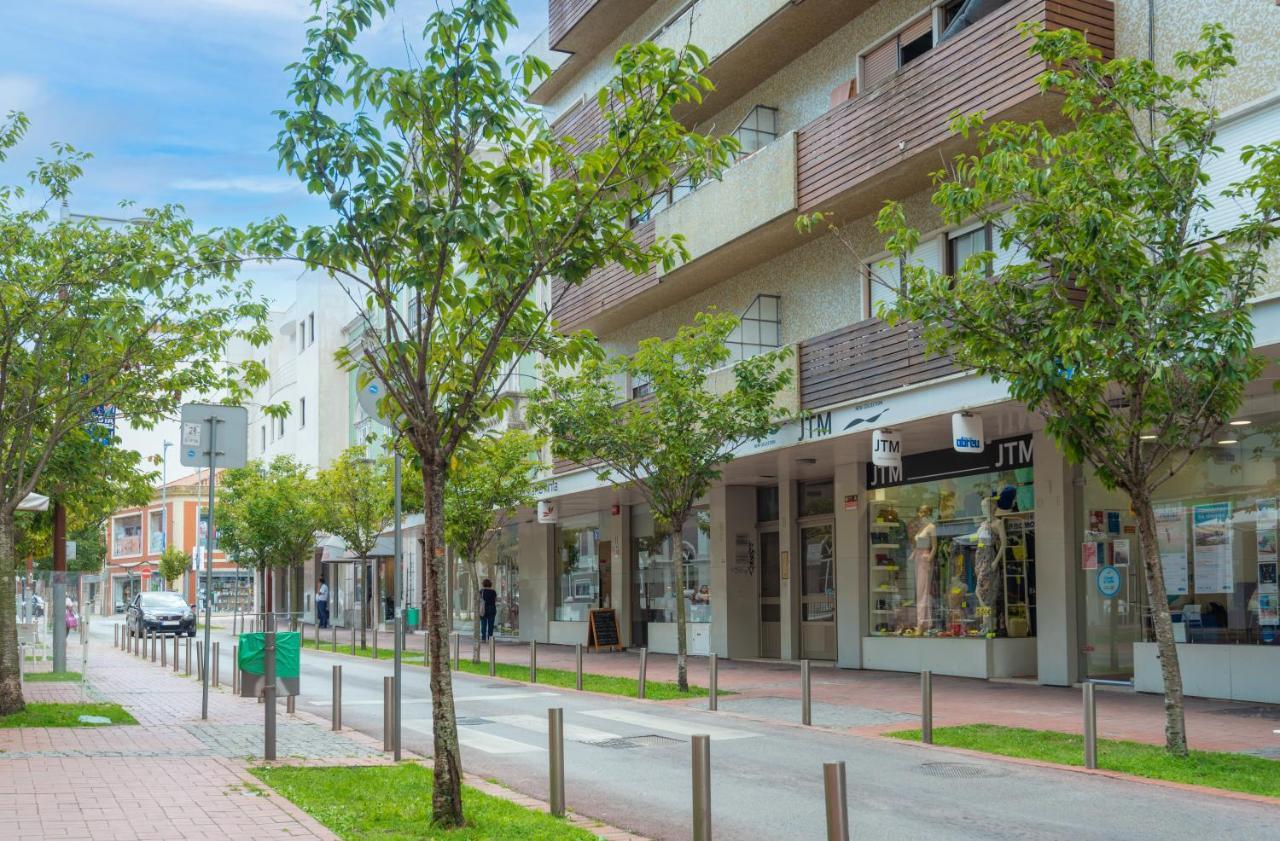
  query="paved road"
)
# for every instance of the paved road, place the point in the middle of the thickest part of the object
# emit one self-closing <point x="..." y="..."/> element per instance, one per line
<point x="628" y="763"/>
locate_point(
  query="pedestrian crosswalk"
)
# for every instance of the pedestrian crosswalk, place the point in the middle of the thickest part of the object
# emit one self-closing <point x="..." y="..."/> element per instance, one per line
<point x="526" y="733"/>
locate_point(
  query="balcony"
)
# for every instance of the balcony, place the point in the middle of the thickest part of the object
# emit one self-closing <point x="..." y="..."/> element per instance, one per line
<point x="881" y="144"/>
<point x="577" y="31"/>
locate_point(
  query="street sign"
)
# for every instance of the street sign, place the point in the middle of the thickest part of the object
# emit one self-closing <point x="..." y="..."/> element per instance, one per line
<point x="368" y="398"/>
<point x="232" y="437"/>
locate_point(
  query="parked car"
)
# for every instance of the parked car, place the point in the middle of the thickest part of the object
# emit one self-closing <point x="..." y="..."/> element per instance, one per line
<point x="161" y="612"/>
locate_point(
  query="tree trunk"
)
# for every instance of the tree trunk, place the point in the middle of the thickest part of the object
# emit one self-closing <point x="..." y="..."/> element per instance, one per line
<point x="446" y="795"/>
<point x="682" y="628"/>
<point x="474" y="568"/>
<point x="1175" y="725"/>
<point x="10" y="684"/>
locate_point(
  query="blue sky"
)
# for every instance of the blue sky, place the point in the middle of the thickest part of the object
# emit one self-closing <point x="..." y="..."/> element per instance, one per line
<point x="174" y="98"/>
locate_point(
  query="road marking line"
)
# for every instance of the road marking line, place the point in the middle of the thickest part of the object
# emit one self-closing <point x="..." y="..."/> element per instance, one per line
<point x="473" y="737"/>
<point x="656" y="722"/>
<point x="538" y="724"/>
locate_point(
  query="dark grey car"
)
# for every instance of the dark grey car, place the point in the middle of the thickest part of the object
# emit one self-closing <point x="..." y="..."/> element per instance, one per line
<point x="161" y="612"/>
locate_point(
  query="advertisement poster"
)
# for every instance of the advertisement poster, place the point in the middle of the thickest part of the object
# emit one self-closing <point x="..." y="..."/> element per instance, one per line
<point x="1120" y="553"/>
<point x="1171" y="537"/>
<point x="1113" y="522"/>
<point x="1097" y="523"/>
<point x="1211" y="530"/>
<point x="1267" y="577"/>
<point x="1089" y="555"/>
<point x="1268" y="609"/>
<point x="1268" y="514"/>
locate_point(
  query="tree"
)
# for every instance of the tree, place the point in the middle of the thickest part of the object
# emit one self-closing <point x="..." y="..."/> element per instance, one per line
<point x="129" y="317"/>
<point x="173" y="563"/>
<point x="1125" y="320"/>
<point x="355" y="501"/>
<point x="453" y="202"/>
<point x="672" y="444"/>
<point x="489" y="481"/>
<point x="267" y="516"/>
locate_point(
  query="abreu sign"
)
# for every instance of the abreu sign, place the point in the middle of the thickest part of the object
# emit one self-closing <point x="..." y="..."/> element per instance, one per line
<point x="1004" y="454"/>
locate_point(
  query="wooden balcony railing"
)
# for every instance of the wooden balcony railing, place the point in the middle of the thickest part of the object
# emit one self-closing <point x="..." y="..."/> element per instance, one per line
<point x="864" y="359"/>
<point x="574" y="305"/>
<point x="587" y="25"/>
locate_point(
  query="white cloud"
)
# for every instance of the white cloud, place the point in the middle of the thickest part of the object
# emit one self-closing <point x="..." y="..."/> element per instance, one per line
<point x="19" y="93"/>
<point x="241" y="184"/>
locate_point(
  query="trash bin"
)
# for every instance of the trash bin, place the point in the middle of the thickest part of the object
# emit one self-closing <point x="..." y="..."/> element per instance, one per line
<point x="251" y="660"/>
<point x="410" y="618"/>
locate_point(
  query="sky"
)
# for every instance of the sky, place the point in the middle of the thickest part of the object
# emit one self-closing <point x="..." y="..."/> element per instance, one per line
<point x="174" y="99"/>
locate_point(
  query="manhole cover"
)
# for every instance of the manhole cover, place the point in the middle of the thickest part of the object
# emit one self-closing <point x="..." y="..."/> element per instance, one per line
<point x="630" y="742"/>
<point x="472" y="721"/>
<point x="94" y="719"/>
<point x="957" y="770"/>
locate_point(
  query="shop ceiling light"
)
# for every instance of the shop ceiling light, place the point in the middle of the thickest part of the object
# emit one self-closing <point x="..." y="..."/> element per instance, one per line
<point x="1228" y="441"/>
<point x="1241" y="422"/>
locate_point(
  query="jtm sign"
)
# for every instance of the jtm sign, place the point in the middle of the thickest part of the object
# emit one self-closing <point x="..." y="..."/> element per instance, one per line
<point x="1005" y="454"/>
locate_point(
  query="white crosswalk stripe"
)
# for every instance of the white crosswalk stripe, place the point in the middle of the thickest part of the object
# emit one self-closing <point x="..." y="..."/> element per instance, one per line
<point x="475" y="737"/>
<point x="671" y="725"/>
<point x="538" y="724"/>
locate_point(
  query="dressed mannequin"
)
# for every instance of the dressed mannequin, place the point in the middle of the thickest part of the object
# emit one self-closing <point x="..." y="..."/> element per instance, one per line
<point x="923" y="552"/>
<point x="991" y="543"/>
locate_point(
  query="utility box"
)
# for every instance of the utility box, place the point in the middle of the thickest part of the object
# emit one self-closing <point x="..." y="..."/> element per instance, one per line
<point x="251" y="661"/>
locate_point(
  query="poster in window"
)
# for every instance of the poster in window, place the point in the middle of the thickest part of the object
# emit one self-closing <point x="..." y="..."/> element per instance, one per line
<point x="1268" y="516"/>
<point x="1120" y="553"/>
<point x="1171" y="538"/>
<point x="1267" y="577"/>
<point x="1089" y="555"/>
<point x="1211" y="530"/>
<point x="1268" y="609"/>
<point x="1113" y="522"/>
<point x="1097" y="524"/>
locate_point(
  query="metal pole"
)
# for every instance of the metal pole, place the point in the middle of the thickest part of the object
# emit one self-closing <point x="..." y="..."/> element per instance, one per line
<point x="269" y="694"/>
<point x="555" y="747"/>
<point x="493" y="657"/>
<point x="374" y="651"/>
<point x="22" y="665"/>
<point x="426" y="650"/>
<point x="336" y="708"/>
<point x="397" y="564"/>
<point x="644" y="667"/>
<point x="457" y="651"/>
<point x="58" y="610"/>
<point x="926" y="707"/>
<point x="533" y="661"/>
<point x="200" y="660"/>
<point x="577" y="651"/>
<point x="291" y="704"/>
<point x="208" y="576"/>
<point x="334" y="635"/>
<point x="388" y="713"/>
<point x="176" y="652"/>
<point x="833" y="782"/>
<point x="317" y="635"/>
<point x="353" y="634"/>
<point x="701" y="788"/>
<point x="713" y="691"/>
<point x="164" y="653"/>
<point x="187" y="659"/>
<point x="806" y="712"/>
<point x="127" y="644"/>
<point x="216" y="663"/>
<point x="115" y="636"/>
<point x="235" y="669"/>
<point x="1090" y="728"/>
<point x="155" y="638"/>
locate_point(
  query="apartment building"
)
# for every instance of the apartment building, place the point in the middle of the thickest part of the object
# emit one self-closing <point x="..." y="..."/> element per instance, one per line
<point x="806" y="549"/>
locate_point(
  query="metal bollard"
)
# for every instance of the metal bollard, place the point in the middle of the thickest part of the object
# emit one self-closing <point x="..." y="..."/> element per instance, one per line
<point x="644" y="668"/>
<point x="336" y="708"/>
<point x="555" y="748"/>
<point x="833" y="782"/>
<point x="291" y="704"/>
<point x="115" y="636"/>
<point x="926" y="707"/>
<point x="269" y="695"/>
<point x="187" y="652"/>
<point x="317" y="636"/>
<point x="806" y="711"/>
<point x="164" y="654"/>
<point x="353" y="639"/>
<point x="457" y="651"/>
<point x="235" y="670"/>
<point x="533" y="661"/>
<point x="426" y="650"/>
<point x="334" y="635"/>
<point x="1090" y="728"/>
<point x="577" y="651"/>
<point x="214" y="666"/>
<point x="200" y="660"/>
<point x="388" y="712"/>
<point x="176" y="652"/>
<point x="22" y="665"/>
<point x="493" y="658"/>
<point x="152" y="646"/>
<point x="701" y="788"/>
<point x="374" y="653"/>
<point x="713" y="690"/>
<point x="127" y="644"/>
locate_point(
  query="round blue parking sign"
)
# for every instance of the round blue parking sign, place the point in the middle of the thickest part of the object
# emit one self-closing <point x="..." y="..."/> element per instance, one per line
<point x="1108" y="581"/>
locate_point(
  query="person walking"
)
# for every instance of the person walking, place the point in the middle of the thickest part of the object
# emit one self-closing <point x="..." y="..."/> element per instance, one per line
<point x="488" y="609"/>
<point x="322" y="604"/>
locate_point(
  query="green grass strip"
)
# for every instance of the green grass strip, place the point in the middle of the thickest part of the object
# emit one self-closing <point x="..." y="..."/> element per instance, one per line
<point x="53" y="677"/>
<point x="384" y="653"/>
<point x="393" y="803"/>
<point x="65" y="715"/>
<point x="1232" y="771"/>
<point x="656" y="690"/>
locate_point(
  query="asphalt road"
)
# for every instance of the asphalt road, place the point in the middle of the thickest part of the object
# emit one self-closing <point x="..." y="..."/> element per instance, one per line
<point x="628" y="763"/>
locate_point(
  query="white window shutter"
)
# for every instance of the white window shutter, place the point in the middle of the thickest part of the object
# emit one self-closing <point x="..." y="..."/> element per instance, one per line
<point x="1255" y="128"/>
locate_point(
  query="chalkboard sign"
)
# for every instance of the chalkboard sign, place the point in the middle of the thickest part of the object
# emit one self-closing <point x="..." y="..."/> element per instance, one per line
<point x="602" y="629"/>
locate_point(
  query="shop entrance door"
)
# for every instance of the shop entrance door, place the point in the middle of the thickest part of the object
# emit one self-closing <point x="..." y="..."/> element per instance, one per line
<point x="770" y="596"/>
<point x="818" y="591"/>
<point x="1114" y="608"/>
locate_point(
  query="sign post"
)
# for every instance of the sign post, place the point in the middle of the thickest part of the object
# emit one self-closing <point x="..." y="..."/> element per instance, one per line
<point x="213" y="436"/>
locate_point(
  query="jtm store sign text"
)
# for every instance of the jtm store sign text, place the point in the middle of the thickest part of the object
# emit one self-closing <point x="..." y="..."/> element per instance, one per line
<point x="1004" y="454"/>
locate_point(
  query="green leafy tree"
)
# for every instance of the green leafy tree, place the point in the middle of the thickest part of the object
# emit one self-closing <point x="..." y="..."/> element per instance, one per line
<point x="1125" y="321"/>
<point x="173" y="563"/>
<point x="355" y="501"/>
<point x="267" y="515"/>
<point x="489" y="481"/>
<point x="128" y="316"/>
<point x="453" y="202"/>
<point x="671" y="445"/>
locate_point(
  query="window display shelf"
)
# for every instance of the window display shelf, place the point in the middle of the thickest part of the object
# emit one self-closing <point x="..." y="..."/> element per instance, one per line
<point x="886" y="545"/>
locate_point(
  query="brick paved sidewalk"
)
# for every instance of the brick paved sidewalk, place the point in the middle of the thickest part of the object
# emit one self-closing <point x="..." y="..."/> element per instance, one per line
<point x="873" y="702"/>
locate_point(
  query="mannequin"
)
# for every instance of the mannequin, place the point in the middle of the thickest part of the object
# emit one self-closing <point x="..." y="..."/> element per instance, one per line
<point x="923" y="552"/>
<point x="991" y="543"/>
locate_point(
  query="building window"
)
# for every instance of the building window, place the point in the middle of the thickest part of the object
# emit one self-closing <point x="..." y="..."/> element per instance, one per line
<point x="577" y="572"/>
<point x="155" y="531"/>
<point x="280" y="427"/>
<point x="654" y="573"/>
<point x="757" y="130"/>
<point x="900" y="49"/>
<point x="302" y="336"/>
<point x="302" y="412"/>
<point x="759" y="329"/>
<point x="937" y="569"/>
<point x="815" y="498"/>
<point x="767" y="504"/>
<point x="641" y="388"/>
<point x="264" y="438"/>
<point x="961" y="247"/>
<point x="311" y="329"/>
<point x="126" y="536"/>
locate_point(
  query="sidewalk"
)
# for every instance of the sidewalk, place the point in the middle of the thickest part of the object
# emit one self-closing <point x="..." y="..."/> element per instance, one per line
<point x="875" y="702"/>
<point x="173" y="776"/>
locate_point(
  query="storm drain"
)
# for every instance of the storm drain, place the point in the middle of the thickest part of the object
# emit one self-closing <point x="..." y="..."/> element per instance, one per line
<point x="629" y="742"/>
<point x="957" y="770"/>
